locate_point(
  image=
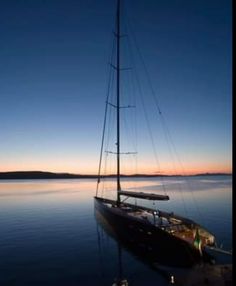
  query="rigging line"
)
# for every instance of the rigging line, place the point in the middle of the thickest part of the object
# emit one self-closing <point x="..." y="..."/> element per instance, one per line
<point x="143" y="63"/>
<point x="104" y="122"/>
<point x="128" y="130"/>
<point x="146" y="116"/>
<point x="175" y="168"/>
<point x="110" y="124"/>
<point x="131" y="133"/>
<point x="150" y="133"/>
<point x="145" y="68"/>
<point x="133" y="92"/>
<point x="101" y="151"/>
<point x="166" y="131"/>
<point x="130" y="100"/>
<point x="129" y="122"/>
<point x="180" y="189"/>
<point x="164" y="125"/>
<point x="104" y="179"/>
<point x="170" y="141"/>
<point x="110" y="116"/>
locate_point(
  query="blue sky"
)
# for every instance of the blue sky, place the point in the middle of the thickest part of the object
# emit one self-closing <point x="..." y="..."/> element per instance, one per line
<point x="53" y="77"/>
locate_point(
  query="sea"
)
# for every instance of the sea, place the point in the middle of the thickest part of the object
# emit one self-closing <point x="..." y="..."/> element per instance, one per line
<point x="49" y="234"/>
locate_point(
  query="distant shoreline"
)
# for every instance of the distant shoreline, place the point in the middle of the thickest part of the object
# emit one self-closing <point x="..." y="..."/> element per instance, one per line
<point x="34" y="175"/>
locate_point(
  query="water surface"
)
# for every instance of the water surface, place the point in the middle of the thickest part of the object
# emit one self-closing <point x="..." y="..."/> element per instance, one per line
<point x="49" y="235"/>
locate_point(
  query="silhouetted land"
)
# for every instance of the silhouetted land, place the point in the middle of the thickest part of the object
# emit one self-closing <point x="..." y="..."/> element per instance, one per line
<point x="24" y="175"/>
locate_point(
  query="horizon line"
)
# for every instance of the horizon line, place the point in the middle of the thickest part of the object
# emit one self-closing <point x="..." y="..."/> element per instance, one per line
<point x="108" y="175"/>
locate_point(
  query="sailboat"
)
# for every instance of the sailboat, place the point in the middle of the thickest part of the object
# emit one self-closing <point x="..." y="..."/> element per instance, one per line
<point x="176" y="239"/>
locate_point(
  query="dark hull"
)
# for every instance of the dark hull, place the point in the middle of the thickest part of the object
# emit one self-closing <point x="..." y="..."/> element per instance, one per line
<point x="146" y="239"/>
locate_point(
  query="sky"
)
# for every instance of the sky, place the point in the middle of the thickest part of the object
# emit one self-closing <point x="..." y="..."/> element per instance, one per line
<point x="53" y="79"/>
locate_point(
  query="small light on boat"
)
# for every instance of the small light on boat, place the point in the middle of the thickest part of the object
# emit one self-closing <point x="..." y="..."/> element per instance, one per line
<point x="172" y="279"/>
<point x="155" y="213"/>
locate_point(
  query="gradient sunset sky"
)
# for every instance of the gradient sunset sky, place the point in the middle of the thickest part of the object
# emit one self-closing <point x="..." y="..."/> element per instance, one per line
<point x="53" y="79"/>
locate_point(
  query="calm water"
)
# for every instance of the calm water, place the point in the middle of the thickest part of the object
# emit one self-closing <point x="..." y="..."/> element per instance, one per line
<point x="49" y="235"/>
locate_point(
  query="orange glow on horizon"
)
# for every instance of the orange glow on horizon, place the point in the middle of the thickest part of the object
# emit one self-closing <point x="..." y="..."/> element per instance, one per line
<point x="189" y="169"/>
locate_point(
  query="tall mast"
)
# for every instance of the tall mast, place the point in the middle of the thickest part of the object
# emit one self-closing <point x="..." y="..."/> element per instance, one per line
<point x="118" y="96"/>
